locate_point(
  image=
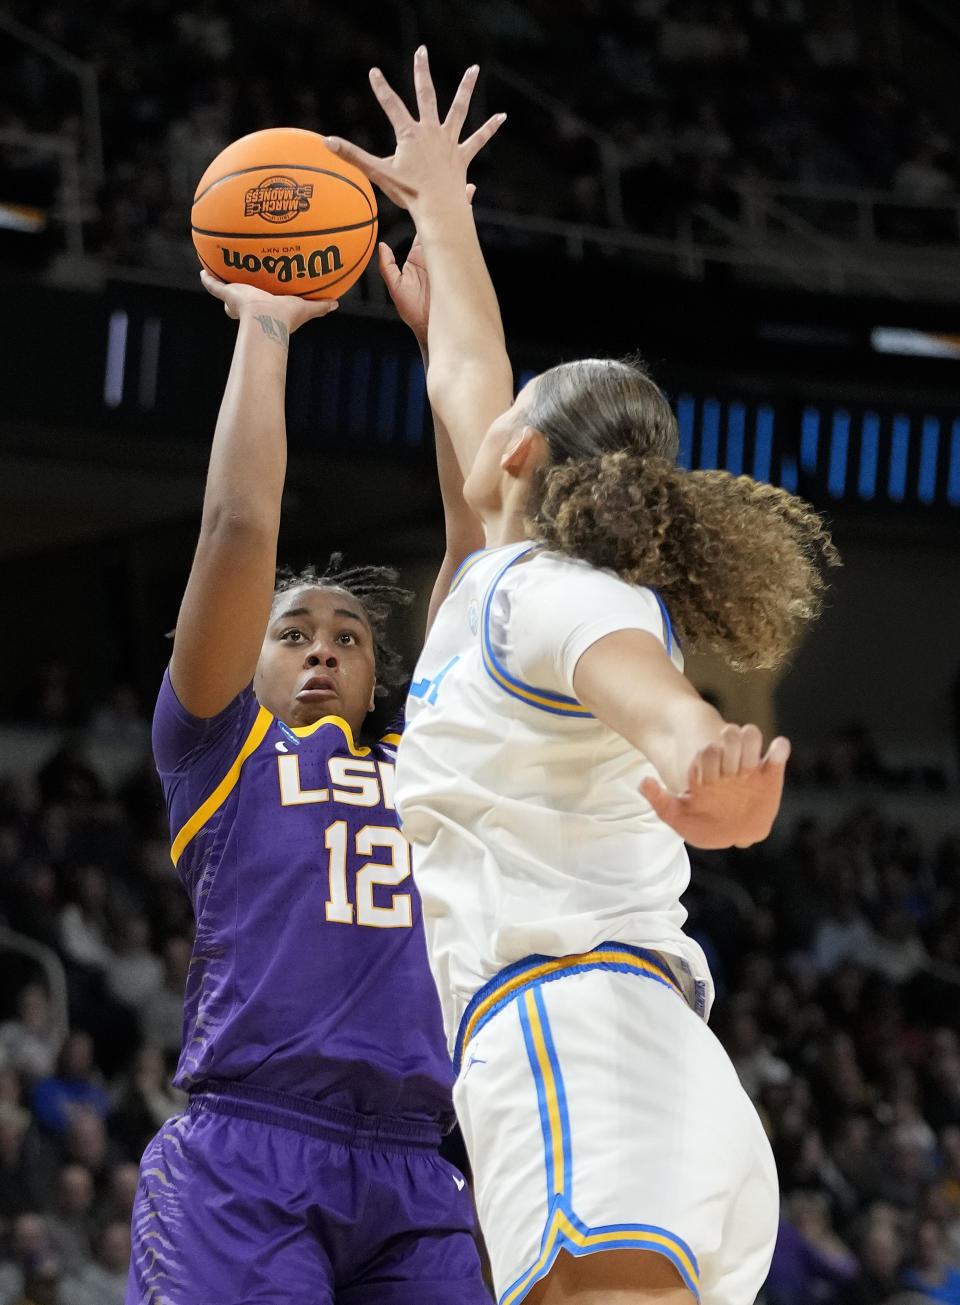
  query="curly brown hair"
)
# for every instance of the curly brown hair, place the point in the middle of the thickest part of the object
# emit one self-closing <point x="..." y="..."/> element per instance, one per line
<point x="738" y="563"/>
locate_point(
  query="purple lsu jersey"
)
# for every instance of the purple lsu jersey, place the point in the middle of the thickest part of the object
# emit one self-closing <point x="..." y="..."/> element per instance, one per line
<point x="309" y="973"/>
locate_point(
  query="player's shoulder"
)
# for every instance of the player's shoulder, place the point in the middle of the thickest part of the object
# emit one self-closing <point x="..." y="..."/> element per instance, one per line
<point x="546" y="569"/>
<point x="180" y="738"/>
<point x="557" y="595"/>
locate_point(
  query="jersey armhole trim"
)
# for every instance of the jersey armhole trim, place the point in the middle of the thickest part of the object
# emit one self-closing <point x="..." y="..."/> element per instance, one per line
<point x="557" y="704"/>
<point x="467" y="564"/>
<point x="226" y="786"/>
<point x="667" y="624"/>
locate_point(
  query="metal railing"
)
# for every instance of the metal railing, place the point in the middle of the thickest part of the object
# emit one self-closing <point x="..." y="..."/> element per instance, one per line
<point x="765" y="205"/>
<point x="51" y="965"/>
<point x="608" y="153"/>
<point x="88" y="90"/>
<point x="810" y="260"/>
<point x="71" y="207"/>
<point x="816" y="236"/>
<point x="819" y="237"/>
<point x="816" y="262"/>
<point x="859" y="213"/>
<point x="80" y="163"/>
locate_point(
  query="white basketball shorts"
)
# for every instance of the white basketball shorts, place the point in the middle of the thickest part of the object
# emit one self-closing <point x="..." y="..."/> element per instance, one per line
<point x="600" y="1112"/>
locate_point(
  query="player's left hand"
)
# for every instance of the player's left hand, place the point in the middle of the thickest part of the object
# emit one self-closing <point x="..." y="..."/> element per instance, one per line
<point x="409" y="286"/>
<point x="430" y="161"/>
<point x="733" y="793"/>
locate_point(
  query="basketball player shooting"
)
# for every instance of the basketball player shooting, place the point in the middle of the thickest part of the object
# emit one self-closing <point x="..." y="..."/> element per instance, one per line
<point x="306" y="1167"/>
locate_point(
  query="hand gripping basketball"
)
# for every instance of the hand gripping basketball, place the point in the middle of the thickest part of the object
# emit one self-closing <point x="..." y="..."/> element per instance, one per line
<point x="291" y="310"/>
<point x="277" y="209"/>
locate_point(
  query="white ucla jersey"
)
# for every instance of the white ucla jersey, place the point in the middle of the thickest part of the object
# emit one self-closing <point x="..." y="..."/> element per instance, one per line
<point x="529" y="832"/>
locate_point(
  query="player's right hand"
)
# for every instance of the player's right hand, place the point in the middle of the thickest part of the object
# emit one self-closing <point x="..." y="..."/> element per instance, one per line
<point x="733" y="793"/>
<point x="237" y="297"/>
<point x="430" y="160"/>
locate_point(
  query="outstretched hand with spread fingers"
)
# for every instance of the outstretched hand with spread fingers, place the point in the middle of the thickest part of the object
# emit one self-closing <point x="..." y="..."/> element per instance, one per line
<point x="733" y="792"/>
<point x="430" y="161"/>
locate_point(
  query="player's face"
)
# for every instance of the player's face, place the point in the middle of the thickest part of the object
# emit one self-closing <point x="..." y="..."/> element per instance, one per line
<point x="484" y="486"/>
<point x="317" y="659"/>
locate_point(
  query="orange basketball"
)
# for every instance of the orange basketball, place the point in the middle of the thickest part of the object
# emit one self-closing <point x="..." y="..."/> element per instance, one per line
<point x="278" y="210"/>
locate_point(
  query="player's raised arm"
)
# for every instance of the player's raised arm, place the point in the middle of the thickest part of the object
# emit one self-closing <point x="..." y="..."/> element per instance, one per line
<point x="226" y="604"/>
<point x="719" y="788"/>
<point x="470" y="379"/>
<point x="409" y="288"/>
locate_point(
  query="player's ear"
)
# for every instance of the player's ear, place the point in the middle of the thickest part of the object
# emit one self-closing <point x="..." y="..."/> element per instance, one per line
<point x="373" y="697"/>
<point x="525" y="449"/>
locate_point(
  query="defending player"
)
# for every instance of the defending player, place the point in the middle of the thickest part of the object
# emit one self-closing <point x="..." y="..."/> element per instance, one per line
<point x="306" y="1167"/>
<point x="616" y="1157"/>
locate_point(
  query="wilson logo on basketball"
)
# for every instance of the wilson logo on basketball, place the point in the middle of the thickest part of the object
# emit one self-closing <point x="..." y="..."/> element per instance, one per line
<point x="287" y="267"/>
<point x="278" y="199"/>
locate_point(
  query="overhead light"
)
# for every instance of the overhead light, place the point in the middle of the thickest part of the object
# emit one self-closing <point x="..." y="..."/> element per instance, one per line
<point x="915" y="344"/>
<point x="20" y="217"/>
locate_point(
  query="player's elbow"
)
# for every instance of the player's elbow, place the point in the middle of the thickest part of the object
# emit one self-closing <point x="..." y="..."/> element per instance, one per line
<point x="238" y="524"/>
<point x="460" y="385"/>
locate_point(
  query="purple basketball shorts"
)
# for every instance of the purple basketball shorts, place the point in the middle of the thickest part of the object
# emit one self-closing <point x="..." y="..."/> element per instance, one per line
<point x="254" y="1198"/>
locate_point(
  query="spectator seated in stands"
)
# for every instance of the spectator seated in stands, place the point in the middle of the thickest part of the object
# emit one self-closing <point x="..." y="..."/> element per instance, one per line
<point x="30" y="1044"/>
<point x="55" y="1099"/>
<point x="71" y="1223"/>
<point x="810" y="1262"/>
<point x="103" y="1280"/>
<point x="928" y="1270"/>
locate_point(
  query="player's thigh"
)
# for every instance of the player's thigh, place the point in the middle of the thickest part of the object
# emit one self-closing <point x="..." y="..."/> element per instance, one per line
<point x="611" y="1278"/>
<point x="740" y="1265"/>
<point x="423" y="1248"/>
<point x="604" y="1109"/>
<point x="221" y="1217"/>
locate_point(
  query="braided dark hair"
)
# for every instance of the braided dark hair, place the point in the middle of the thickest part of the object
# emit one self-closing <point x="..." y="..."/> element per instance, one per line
<point x="375" y="588"/>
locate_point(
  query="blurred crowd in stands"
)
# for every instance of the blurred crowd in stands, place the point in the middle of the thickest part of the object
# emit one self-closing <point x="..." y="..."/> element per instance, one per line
<point x="680" y="99"/>
<point x="836" y="952"/>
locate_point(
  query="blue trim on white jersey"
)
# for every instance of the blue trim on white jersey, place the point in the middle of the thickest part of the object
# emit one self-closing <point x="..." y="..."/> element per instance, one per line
<point x="557" y="704"/>
<point x="468" y="562"/>
<point x="666" y="619"/>
<point x="511" y="982"/>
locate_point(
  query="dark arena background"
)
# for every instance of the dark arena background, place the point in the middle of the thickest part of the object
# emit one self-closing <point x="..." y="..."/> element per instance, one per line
<point x="761" y="197"/>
